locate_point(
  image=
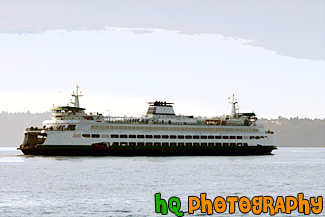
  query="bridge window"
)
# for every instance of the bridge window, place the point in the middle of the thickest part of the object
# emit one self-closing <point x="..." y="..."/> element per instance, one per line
<point x="140" y="136"/>
<point x="123" y="136"/>
<point x="114" y="136"/>
<point x="95" y="136"/>
<point x="148" y="136"/>
<point x="188" y="137"/>
<point x="71" y="127"/>
<point x="157" y="136"/>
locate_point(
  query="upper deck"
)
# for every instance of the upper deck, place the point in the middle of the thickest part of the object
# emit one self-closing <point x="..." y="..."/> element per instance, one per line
<point x="159" y="113"/>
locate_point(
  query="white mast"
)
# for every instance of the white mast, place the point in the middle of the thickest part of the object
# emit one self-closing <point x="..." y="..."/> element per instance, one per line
<point x="76" y="97"/>
<point x="233" y="107"/>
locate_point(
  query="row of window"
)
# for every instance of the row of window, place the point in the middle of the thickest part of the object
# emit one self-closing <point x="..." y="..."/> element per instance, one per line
<point x="175" y="144"/>
<point x="88" y="136"/>
<point x="195" y="129"/>
<point x="125" y="136"/>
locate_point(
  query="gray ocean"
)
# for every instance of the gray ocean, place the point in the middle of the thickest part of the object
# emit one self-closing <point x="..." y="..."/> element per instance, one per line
<point x="125" y="186"/>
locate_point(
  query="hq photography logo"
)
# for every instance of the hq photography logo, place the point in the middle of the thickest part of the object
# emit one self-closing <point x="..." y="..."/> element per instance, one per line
<point x="256" y="205"/>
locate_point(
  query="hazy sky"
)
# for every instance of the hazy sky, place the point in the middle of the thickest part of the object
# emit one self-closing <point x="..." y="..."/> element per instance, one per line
<point x="193" y="53"/>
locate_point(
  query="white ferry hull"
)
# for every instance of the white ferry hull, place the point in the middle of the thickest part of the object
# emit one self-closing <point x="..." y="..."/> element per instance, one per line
<point x="72" y="132"/>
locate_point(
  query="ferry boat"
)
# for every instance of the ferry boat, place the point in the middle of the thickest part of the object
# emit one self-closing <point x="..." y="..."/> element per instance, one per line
<point x="73" y="132"/>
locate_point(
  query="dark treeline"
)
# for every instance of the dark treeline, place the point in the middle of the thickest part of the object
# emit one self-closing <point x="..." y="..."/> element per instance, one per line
<point x="289" y="132"/>
<point x="12" y="126"/>
<point x="297" y="132"/>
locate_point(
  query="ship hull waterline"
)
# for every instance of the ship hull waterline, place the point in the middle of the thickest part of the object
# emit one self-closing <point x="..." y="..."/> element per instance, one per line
<point x="147" y="151"/>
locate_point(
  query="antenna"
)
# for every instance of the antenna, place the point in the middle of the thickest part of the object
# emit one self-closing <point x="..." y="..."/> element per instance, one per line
<point x="233" y="106"/>
<point x="76" y="97"/>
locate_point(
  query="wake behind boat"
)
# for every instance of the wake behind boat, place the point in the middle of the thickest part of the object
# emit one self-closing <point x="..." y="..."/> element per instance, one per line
<point x="73" y="132"/>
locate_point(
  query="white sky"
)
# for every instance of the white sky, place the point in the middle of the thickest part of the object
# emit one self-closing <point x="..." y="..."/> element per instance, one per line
<point x="289" y="27"/>
<point x="120" y="69"/>
<point x="196" y="53"/>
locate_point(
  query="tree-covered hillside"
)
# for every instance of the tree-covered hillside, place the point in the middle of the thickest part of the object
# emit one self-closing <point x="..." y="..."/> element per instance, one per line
<point x="292" y="132"/>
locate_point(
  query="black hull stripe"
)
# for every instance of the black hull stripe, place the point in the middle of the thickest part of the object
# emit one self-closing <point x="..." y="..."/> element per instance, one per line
<point x="147" y="151"/>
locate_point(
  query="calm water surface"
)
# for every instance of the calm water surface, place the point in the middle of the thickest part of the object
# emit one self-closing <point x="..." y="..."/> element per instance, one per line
<point x="125" y="186"/>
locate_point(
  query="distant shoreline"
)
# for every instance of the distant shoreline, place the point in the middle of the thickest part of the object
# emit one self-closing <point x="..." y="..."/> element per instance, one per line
<point x="289" y="132"/>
